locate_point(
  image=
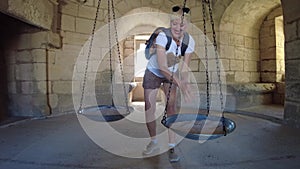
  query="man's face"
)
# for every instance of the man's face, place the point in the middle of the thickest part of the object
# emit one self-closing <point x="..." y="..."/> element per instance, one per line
<point x="178" y="28"/>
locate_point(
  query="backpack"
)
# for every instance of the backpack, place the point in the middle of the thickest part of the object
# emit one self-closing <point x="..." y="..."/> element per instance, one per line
<point x="150" y="49"/>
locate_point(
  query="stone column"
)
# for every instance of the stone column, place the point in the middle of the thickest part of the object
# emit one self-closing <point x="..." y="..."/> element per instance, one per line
<point x="27" y="74"/>
<point x="291" y="13"/>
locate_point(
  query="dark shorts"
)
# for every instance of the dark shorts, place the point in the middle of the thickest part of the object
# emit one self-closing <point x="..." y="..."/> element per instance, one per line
<point x="151" y="81"/>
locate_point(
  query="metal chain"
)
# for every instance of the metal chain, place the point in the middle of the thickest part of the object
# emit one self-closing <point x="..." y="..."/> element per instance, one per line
<point x="206" y="57"/>
<point x="216" y="56"/>
<point x="80" y="110"/>
<point x="217" y="65"/>
<point x="119" y="55"/>
<point x="164" y="119"/>
<point x="110" y="48"/>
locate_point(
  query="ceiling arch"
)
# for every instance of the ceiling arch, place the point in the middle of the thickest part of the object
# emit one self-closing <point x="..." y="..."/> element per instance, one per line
<point x="245" y="16"/>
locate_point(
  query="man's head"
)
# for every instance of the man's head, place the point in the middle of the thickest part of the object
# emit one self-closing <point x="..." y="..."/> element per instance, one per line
<point x="179" y="20"/>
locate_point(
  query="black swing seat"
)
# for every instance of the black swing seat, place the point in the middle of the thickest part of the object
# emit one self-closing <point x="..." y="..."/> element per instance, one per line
<point x="199" y="126"/>
<point x="106" y="113"/>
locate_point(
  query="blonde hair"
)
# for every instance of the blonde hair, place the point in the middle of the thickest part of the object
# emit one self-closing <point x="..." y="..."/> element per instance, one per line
<point x="179" y="14"/>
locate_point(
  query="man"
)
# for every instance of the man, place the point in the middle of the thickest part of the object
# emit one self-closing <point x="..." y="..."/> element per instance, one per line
<point x="163" y="68"/>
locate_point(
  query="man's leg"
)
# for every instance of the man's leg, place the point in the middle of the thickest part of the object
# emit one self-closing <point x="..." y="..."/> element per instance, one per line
<point x="150" y="108"/>
<point x="171" y="110"/>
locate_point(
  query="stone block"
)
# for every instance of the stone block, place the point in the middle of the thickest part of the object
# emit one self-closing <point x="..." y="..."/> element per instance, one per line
<point x="40" y="71"/>
<point x="268" y="65"/>
<point x="224" y="38"/>
<point x="236" y="65"/>
<point x="239" y="53"/>
<point x="269" y="53"/>
<point x="278" y="98"/>
<point x="65" y="103"/>
<point x="24" y="56"/>
<point x="227" y="51"/>
<point x="87" y="12"/>
<point x="128" y="52"/>
<point x="292" y="114"/>
<point x="268" y="42"/>
<point x="11" y="56"/>
<point x="68" y="23"/>
<point x="242" y="77"/>
<point x="268" y="77"/>
<point x="53" y="101"/>
<point x="27" y="87"/>
<point x="129" y="44"/>
<point x="293" y="71"/>
<point x="250" y="66"/>
<point x="24" y="72"/>
<point x="39" y="13"/>
<point x="254" y="76"/>
<point x="122" y="7"/>
<point x="53" y="40"/>
<point x="62" y="87"/>
<point x="194" y="65"/>
<point x="70" y="8"/>
<point x="39" y="55"/>
<point x="292" y="91"/>
<point x="230" y="77"/>
<point x="275" y="13"/>
<point x="55" y="72"/>
<point x="12" y="88"/>
<point x="298" y="30"/>
<point x="226" y="27"/>
<point x="11" y="75"/>
<point x="264" y="32"/>
<point x="42" y="87"/>
<point x="292" y="50"/>
<point x="84" y="25"/>
<point x="249" y="43"/>
<point x="251" y="54"/>
<point x="71" y="38"/>
<point x="39" y="40"/>
<point x="34" y="105"/>
<point x="280" y="87"/>
<point x="23" y="42"/>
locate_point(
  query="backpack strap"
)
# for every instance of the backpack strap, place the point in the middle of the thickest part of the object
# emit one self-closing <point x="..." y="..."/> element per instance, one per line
<point x="168" y="33"/>
<point x="185" y="43"/>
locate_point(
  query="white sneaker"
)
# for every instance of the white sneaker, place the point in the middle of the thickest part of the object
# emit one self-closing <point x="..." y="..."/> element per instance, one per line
<point x="151" y="147"/>
<point x="173" y="157"/>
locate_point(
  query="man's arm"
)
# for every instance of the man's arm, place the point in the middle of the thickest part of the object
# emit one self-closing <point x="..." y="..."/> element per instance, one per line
<point x="163" y="65"/>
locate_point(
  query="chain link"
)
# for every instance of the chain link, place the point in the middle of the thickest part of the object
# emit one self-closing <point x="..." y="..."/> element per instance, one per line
<point x="164" y="119"/>
<point x="119" y="55"/>
<point x="206" y="57"/>
<point x="80" y="110"/>
<point x="216" y="57"/>
<point x="218" y="67"/>
<point x="110" y="48"/>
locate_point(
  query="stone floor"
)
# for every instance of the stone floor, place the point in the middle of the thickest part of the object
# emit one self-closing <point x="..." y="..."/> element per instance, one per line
<point x="62" y="142"/>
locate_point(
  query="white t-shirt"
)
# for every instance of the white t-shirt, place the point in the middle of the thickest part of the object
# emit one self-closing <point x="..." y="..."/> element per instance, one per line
<point x="162" y="40"/>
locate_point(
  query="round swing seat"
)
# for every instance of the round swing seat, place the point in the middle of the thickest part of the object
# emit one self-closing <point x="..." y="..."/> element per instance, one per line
<point x="106" y="113"/>
<point x="200" y="127"/>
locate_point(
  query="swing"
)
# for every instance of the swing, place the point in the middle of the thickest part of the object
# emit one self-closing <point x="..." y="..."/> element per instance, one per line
<point x="108" y="113"/>
<point x="201" y="126"/>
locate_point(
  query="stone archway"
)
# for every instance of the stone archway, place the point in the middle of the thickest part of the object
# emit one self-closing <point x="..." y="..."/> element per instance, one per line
<point x="239" y="38"/>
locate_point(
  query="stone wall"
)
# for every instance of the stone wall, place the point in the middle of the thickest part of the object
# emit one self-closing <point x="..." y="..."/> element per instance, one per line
<point x="43" y="63"/>
<point x="272" y="53"/>
<point x="271" y="38"/>
<point x="291" y="15"/>
<point x="40" y="13"/>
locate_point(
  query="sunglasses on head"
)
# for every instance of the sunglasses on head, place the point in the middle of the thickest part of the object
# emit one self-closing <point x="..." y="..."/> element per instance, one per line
<point x="184" y="9"/>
